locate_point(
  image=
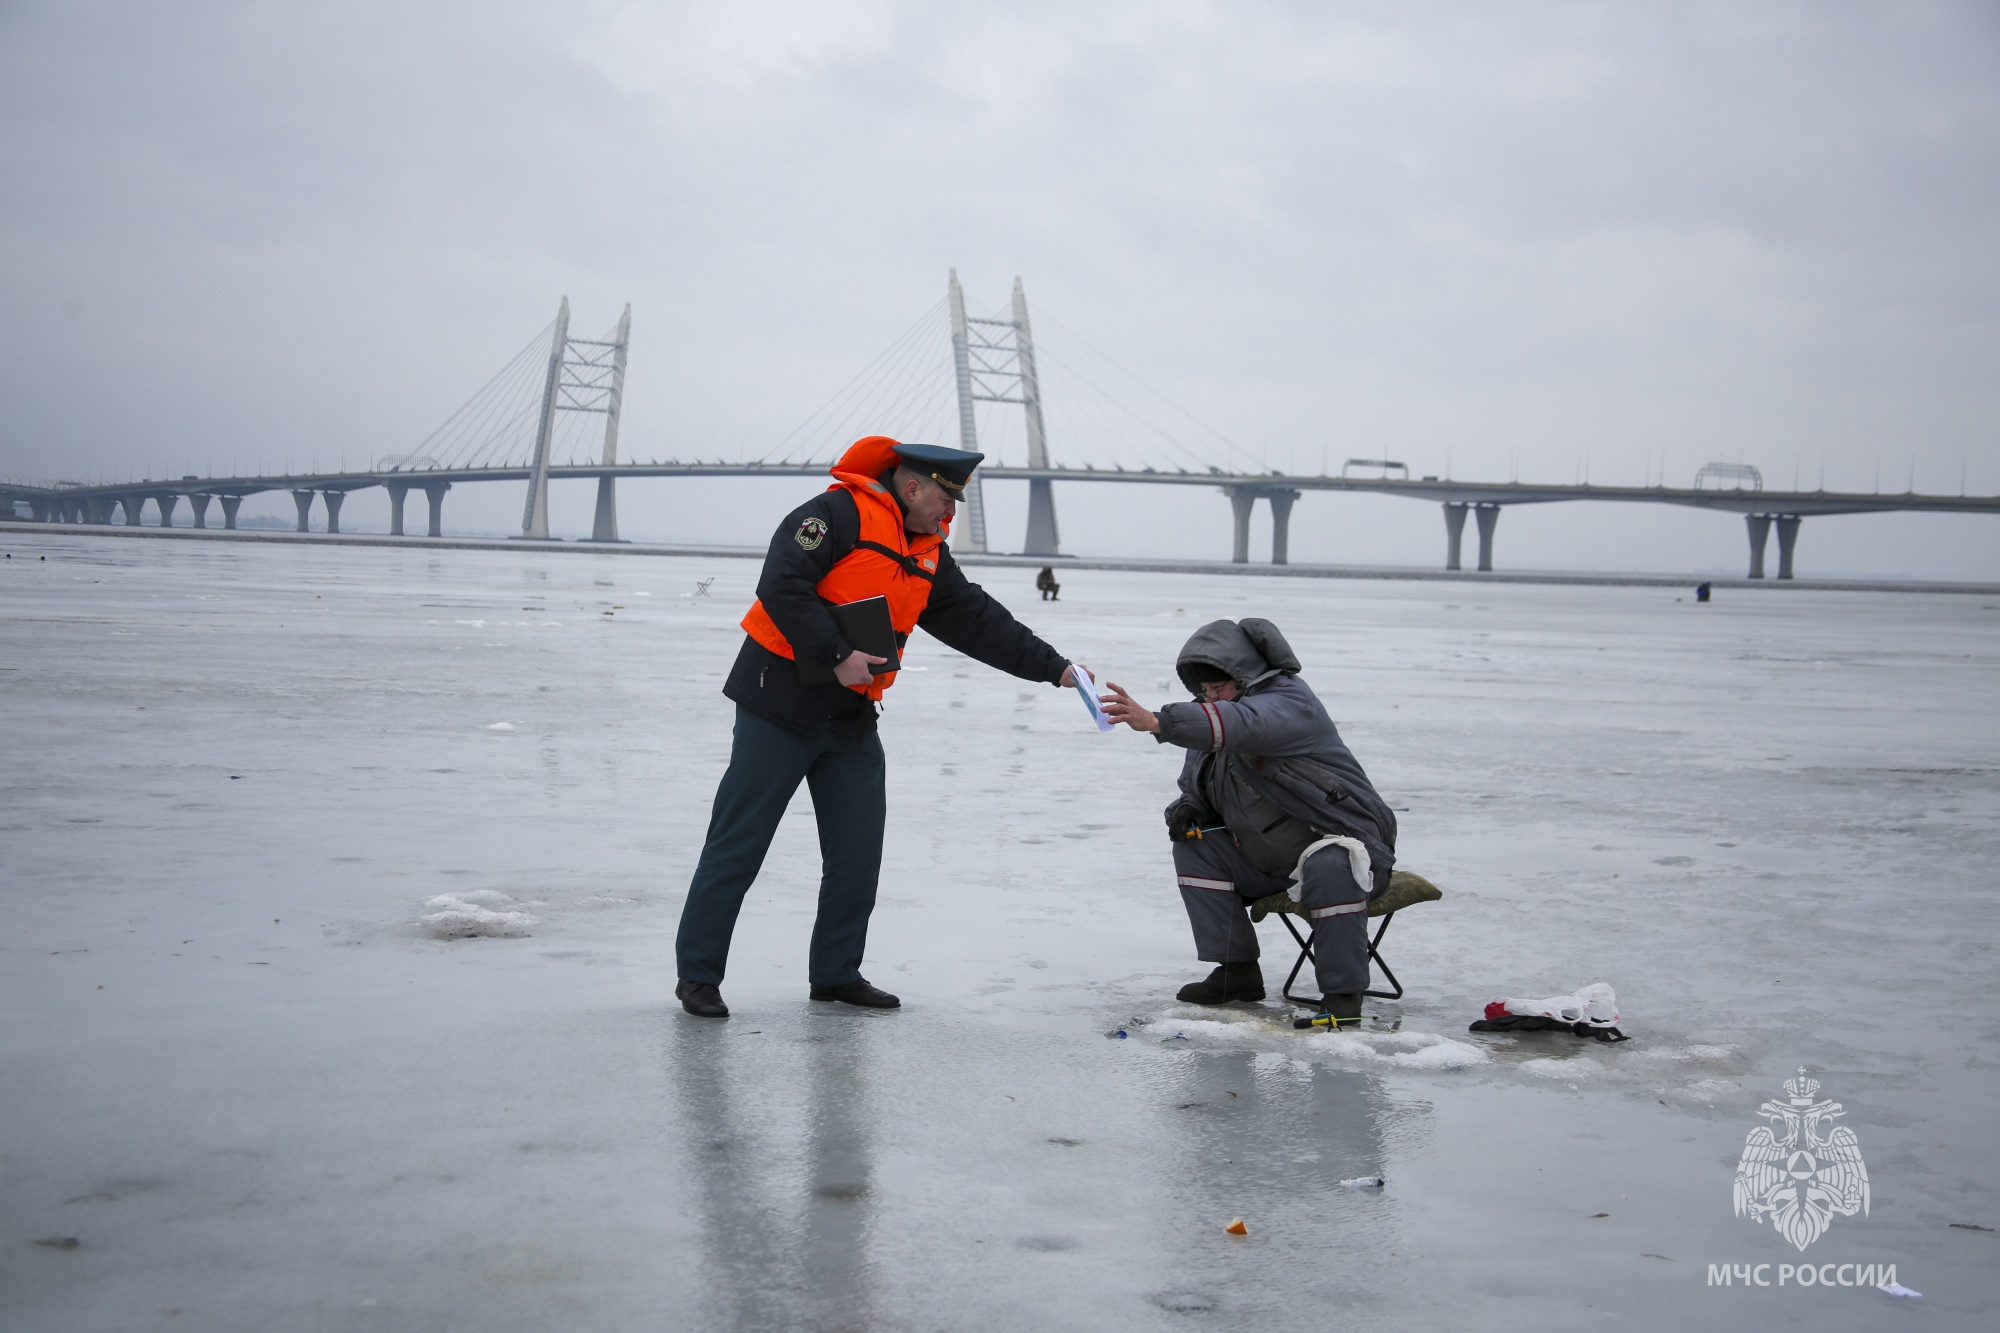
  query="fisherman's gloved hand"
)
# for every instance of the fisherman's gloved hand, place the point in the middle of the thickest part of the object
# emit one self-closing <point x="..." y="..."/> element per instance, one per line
<point x="1183" y="820"/>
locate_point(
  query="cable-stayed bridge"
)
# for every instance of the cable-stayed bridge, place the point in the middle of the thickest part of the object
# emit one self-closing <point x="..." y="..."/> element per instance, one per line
<point x="961" y="374"/>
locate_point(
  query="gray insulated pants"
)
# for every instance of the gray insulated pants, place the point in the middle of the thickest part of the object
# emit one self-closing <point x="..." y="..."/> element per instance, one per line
<point x="1218" y="885"/>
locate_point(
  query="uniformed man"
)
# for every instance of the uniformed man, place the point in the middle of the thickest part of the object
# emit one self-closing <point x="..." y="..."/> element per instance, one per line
<point x="1271" y="801"/>
<point x="879" y="530"/>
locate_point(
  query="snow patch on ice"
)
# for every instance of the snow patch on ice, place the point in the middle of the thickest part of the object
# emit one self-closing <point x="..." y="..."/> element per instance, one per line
<point x="500" y="726"/>
<point x="1551" y="1067"/>
<point x="491" y="899"/>
<point x="477" y="912"/>
<point x="1395" y="1050"/>
<point x="1441" y="1053"/>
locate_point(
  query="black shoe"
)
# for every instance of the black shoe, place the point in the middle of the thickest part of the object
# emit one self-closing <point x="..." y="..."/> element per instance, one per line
<point x="701" y="999"/>
<point x="858" y="992"/>
<point x="1231" y="981"/>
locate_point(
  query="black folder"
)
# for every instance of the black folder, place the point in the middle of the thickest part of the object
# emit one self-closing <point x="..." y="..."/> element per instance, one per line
<point x="865" y="625"/>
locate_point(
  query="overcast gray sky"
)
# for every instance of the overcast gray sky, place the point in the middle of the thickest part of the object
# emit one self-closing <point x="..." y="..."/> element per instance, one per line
<point x="1494" y="237"/>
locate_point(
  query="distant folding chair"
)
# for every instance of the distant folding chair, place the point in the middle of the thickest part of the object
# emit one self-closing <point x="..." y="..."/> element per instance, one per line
<point x="1405" y="890"/>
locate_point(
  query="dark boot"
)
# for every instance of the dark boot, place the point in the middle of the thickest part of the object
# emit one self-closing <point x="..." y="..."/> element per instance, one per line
<point x="701" y="999"/>
<point x="1231" y="981"/>
<point x="1345" y="1010"/>
<point x="1335" y="1012"/>
<point x="858" y="992"/>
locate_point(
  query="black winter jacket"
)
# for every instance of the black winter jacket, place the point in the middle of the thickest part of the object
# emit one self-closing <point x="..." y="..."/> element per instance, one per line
<point x="960" y="614"/>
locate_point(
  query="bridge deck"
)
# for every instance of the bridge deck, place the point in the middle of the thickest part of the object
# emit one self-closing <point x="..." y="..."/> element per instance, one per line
<point x="1443" y="491"/>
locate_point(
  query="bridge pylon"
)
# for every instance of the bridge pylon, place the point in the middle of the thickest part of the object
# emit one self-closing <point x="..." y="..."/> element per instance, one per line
<point x="988" y="365"/>
<point x="584" y="375"/>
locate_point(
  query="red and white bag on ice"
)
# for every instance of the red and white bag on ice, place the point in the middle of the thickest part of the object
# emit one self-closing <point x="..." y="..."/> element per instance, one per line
<point x="1593" y="1005"/>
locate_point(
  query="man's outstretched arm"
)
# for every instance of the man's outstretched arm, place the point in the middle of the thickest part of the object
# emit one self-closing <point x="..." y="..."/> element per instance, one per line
<point x="962" y="615"/>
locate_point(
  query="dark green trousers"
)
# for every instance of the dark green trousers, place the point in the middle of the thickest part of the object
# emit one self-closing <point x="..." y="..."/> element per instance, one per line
<point x="766" y="764"/>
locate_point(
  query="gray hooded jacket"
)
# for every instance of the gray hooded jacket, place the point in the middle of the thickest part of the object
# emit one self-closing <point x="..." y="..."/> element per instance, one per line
<point x="1270" y="763"/>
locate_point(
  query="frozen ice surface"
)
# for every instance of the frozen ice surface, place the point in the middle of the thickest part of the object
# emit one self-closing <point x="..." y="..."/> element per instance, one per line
<point x="262" y="1095"/>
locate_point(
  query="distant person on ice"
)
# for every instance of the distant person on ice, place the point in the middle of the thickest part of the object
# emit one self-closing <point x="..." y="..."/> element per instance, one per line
<point x="1046" y="585"/>
<point x="1271" y="801"/>
<point x="878" y="531"/>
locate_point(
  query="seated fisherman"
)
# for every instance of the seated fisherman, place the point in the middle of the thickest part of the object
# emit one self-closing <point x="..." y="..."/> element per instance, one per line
<point x="1271" y="801"/>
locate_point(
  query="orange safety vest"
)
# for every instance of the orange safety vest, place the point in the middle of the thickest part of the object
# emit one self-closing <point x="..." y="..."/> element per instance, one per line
<point x="887" y="562"/>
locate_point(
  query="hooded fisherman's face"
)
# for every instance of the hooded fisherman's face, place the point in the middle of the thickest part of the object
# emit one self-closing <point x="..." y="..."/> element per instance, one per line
<point x="1219" y="691"/>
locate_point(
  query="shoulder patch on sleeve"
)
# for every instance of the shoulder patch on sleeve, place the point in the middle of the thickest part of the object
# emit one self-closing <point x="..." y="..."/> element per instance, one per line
<point x="811" y="533"/>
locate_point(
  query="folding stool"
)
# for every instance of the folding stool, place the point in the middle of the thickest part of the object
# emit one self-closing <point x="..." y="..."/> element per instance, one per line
<point x="1405" y="890"/>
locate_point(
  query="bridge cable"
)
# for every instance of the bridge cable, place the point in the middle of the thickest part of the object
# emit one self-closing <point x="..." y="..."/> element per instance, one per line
<point x="809" y="435"/>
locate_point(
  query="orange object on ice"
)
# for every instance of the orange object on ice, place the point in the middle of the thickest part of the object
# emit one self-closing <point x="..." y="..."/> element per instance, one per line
<point x="1237" y="1228"/>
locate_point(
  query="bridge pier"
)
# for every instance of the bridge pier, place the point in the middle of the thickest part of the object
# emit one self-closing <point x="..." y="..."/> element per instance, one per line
<point x="166" y="503"/>
<point x="604" y="526"/>
<point x="1454" y="533"/>
<point x="333" y="502"/>
<point x="230" y="504"/>
<point x="198" y="502"/>
<point x="434" y="492"/>
<point x="304" y="500"/>
<point x="1488" y="517"/>
<point x="398" y="491"/>
<point x="134" y="507"/>
<point x="1281" y="525"/>
<point x="1760" y="531"/>
<point x="1788" y="540"/>
<point x="40" y="509"/>
<point x="1042" y="538"/>
<point x="97" y="509"/>
<point x="1242" y="502"/>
